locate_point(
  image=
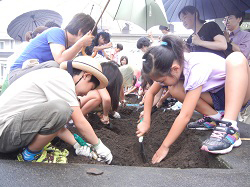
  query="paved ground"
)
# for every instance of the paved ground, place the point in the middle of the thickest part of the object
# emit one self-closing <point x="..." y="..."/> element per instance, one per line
<point x="20" y="174"/>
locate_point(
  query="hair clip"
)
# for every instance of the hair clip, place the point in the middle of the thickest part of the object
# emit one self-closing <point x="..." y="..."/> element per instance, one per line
<point x="164" y="43"/>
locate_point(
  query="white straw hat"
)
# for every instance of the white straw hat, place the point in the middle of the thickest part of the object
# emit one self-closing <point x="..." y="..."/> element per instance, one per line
<point x="89" y="65"/>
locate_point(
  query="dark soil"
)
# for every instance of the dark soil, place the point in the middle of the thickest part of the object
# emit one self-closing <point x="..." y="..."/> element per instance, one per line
<point x="124" y="145"/>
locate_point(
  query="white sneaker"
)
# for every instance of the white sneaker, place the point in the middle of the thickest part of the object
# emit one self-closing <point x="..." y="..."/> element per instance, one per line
<point x="176" y="106"/>
<point x="116" y="115"/>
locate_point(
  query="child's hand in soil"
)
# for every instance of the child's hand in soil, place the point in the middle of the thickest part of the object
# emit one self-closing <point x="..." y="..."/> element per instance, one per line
<point x="160" y="154"/>
<point x="105" y="119"/>
<point x="142" y="128"/>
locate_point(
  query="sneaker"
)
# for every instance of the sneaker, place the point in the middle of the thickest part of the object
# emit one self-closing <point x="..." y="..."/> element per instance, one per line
<point x="55" y="151"/>
<point x="45" y="157"/>
<point x="223" y="139"/>
<point x="205" y="123"/>
<point x="176" y="106"/>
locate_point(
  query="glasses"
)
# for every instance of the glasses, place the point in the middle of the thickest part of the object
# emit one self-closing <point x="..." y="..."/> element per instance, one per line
<point x="78" y="81"/>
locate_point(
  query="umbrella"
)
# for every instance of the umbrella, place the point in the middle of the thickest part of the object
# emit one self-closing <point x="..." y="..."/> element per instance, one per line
<point x="208" y="9"/>
<point x="29" y="21"/>
<point x="144" y="13"/>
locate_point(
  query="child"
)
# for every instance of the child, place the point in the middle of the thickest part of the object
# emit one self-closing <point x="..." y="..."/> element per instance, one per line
<point x="201" y="81"/>
<point x="114" y="53"/>
<point x="123" y="60"/>
<point x="108" y="97"/>
<point x="36" y="107"/>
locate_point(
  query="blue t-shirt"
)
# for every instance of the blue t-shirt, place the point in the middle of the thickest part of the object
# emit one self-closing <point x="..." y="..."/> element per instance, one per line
<point x="39" y="47"/>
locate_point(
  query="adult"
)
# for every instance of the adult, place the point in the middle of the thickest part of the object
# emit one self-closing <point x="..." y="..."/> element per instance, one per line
<point x="28" y="37"/>
<point x="55" y="46"/>
<point x="36" y="107"/>
<point x="238" y="40"/>
<point x="207" y="37"/>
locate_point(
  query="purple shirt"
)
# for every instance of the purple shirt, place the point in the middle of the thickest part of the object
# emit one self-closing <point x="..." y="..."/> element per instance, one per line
<point x="204" y="69"/>
<point x="242" y="39"/>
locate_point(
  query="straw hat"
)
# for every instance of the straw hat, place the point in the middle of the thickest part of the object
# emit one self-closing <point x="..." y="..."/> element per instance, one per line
<point x="89" y="65"/>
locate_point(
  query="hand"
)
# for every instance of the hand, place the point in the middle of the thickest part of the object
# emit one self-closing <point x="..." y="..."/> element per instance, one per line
<point x="196" y="39"/>
<point x="87" y="39"/>
<point x="123" y="102"/>
<point x="84" y="150"/>
<point x="142" y="128"/>
<point x="103" y="153"/>
<point x="105" y="119"/>
<point x="108" y="45"/>
<point x="226" y="34"/>
<point x="160" y="154"/>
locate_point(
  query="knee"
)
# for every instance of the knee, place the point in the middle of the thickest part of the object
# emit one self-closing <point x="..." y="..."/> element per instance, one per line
<point x="236" y="59"/>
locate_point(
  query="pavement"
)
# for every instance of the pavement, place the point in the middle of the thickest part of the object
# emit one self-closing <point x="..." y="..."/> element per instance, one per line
<point x="237" y="162"/>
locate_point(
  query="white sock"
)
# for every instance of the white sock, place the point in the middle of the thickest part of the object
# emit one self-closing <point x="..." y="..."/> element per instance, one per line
<point x="234" y="123"/>
<point x="216" y="116"/>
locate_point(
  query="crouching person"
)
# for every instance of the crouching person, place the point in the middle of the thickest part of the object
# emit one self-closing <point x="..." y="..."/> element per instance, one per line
<point x="36" y="107"/>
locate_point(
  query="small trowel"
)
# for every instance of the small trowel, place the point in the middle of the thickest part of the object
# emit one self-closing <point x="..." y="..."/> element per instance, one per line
<point x="143" y="154"/>
<point x="142" y="149"/>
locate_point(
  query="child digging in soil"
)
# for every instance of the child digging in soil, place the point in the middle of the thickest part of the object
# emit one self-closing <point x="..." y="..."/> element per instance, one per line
<point x="107" y="98"/>
<point x="36" y="107"/>
<point x="204" y="82"/>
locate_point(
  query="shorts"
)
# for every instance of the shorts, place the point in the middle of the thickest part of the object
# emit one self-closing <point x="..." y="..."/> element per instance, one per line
<point x="46" y="118"/>
<point x="219" y="99"/>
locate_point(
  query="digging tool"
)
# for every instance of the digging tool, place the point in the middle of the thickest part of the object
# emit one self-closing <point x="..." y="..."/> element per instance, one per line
<point x="142" y="150"/>
<point x="137" y="106"/>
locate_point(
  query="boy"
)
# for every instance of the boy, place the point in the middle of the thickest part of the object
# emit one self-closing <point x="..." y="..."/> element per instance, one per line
<point x="35" y="108"/>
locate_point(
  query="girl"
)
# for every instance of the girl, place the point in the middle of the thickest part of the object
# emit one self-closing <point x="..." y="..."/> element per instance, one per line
<point x="123" y="60"/>
<point x="107" y="97"/>
<point x="201" y="81"/>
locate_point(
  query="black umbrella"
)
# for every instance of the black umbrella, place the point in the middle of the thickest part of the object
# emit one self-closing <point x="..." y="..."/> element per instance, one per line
<point x="29" y="21"/>
<point x="208" y="9"/>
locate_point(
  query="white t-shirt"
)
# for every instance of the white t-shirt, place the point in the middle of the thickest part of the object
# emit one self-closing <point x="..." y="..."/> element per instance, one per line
<point x="35" y="88"/>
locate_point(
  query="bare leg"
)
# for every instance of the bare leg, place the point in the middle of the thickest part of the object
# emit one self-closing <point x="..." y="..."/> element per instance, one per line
<point x="40" y="141"/>
<point x="237" y="89"/>
<point x="90" y="101"/>
<point x="66" y="136"/>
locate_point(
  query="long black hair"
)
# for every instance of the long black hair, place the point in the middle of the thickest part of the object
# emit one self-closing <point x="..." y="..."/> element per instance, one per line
<point x="114" y="76"/>
<point x="158" y="60"/>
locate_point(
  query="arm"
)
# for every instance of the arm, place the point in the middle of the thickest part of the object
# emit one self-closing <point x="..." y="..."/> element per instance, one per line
<point x="131" y="90"/>
<point x="179" y="124"/>
<point x="158" y="97"/>
<point x="219" y="42"/>
<point x="102" y="47"/>
<point x="144" y="126"/>
<point x="163" y="98"/>
<point x="83" y="126"/>
<point x="61" y="54"/>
